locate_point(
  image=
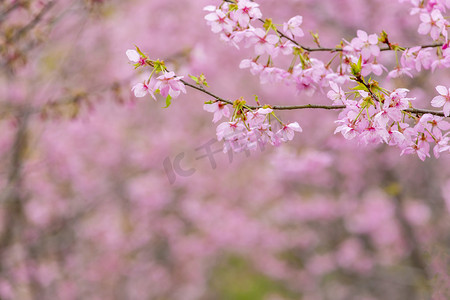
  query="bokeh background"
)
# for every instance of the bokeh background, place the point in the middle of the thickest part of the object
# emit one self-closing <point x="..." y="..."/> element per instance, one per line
<point x="92" y="205"/>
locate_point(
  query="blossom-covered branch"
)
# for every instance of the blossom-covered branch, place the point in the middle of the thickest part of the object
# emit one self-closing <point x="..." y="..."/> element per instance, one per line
<point x="370" y="113"/>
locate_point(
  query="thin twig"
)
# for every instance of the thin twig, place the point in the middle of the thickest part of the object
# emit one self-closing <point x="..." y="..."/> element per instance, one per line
<point x="324" y="49"/>
<point x="203" y="90"/>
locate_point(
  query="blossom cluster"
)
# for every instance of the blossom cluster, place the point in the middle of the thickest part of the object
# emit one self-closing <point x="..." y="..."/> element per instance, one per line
<point x="309" y="74"/>
<point x="167" y="85"/>
<point x="431" y="16"/>
<point x="249" y="129"/>
<point x="267" y="40"/>
<point x="372" y="115"/>
<point x="381" y="117"/>
<point x="368" y="117"/>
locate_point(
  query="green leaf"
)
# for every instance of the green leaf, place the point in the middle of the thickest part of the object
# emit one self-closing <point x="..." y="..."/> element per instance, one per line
<point x="356" y="68"/>
<point x="139" y="51"/>
<point x="298" y="51"/>
<point x="367" y="102"/>
<point x="168" y="101"/>
<point x="268" y="24"/>
<point x="194" y="78"/>
<point x="383" y="37"/>
<point x="238" y="104"/>
<point x="315" y="37"/>
<point x="233" y="7"/>
<point x="360" y="87"/>
<point x="159" y="66"/>
<point x="202" y="80"/>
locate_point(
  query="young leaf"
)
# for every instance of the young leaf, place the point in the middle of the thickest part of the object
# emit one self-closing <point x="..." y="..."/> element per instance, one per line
<point x="194" y="78"/>
<point x="168" y="101"/>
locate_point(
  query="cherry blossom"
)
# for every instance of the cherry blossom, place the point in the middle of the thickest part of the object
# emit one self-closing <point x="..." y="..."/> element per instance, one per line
<point x="169" y="84"/>
<point x="433" y="23"/>
<point x="246" y="11"/>
<point x="336" y="93"/>
<point x="264" y="43"/>
<point x="364" y="44"/>
<point x="135" y="57"/>
<point x="443" y="100"/>
<point x="218" y="20"/>
<point x="292" y="27"/>
<point x="142" y="89"/>
<point x="288" y="131"/>
<point x="370" y="117"/>
<point x="219" y="109"/>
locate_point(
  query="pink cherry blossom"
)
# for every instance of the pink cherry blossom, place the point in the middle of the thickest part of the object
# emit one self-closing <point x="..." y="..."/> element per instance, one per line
<point x="218" y="20"/>
<point x="264" y="43"/>
<point x="442" y="143"/>
<point x="292" y="27"/>
<point x="433" y="23"/>
<point x="443" y="100"/>
<point x="226" y="130"/>
<point x="255" y="68"/>
<point x="288" y="131"/>
<point x="247" y="10"/>
<point x="135" y="57"/>
<point x="336" y="94"/>
<point x="141" y="89"/>
<point x="409" y="58"/>
<point x="365" y="44"/>
<point x="422" y="150"/>
<point x="169" y="84"/>
<point x="399" y="71"/>
<point x="219" y="109"/>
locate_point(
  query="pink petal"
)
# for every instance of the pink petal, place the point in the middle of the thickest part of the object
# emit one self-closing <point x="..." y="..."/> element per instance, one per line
<point x="211" y="107"/>
<point x="435" y="33"/>
<point x="272" y="39"/>
<point x="139" y="90"/>
<point x="211" y="17"/>
<point x="294" y="126"/>
<point x="438" y="101"/>
<point x="425" y="18"/>
<point x="442" y="90"/>
<point x="373" y="39"/>
<point x="362" y="35"/>
<point x="209" y="8"/>
<point x="447" y="109"/>
<point x="424" y="28"/>
<point x="133" y="55"/>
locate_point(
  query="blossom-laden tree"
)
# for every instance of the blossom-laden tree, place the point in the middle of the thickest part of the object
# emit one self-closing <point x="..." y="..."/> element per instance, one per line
<point x="105" y="196"/>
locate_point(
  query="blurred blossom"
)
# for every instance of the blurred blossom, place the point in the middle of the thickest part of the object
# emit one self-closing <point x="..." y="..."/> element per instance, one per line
<point x="87" y="211"/>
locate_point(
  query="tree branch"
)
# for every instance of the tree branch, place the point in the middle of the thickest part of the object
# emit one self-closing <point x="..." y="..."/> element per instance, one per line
<point x="323" y="49"/>
<point x="33" y="22"/>
<point x="10" y="9"/>
<point x="416" y="111"/>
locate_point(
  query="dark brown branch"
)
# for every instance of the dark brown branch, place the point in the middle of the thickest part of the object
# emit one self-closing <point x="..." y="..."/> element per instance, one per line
<point x="11" y="199"/>
<point x="293" y="107"/>
<point x="203" y="90"/>
<point x="424" y="111"/>
<point x="416" y="111"/>
<point x="322" y="49"/>
<point x="10" y="9"/>
<point x="24" y="30"/>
